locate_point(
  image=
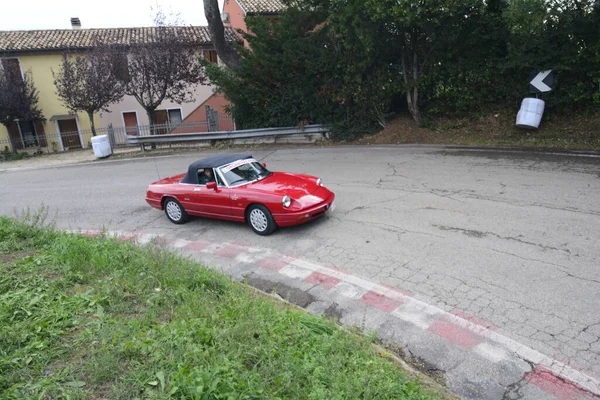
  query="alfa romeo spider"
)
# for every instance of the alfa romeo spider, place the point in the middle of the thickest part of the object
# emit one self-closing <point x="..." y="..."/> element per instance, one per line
<point x="236" y="187"/>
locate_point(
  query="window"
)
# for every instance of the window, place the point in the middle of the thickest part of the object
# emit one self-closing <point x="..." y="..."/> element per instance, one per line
<point x="28" y="134"/>
<point x="24" y="134"/>
<point x="170" y="116"/>
<point x="243" y="171"/>
<point x="209" y="175"/>
<point x="167" y="120"/>
<point x="12" y="68"/>
<point x="211" y="56"/>
<point x="174" y="116"/>
<point x="219" y="180"/>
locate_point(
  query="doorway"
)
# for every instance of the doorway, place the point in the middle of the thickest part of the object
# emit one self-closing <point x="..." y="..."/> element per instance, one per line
<point x="69" y="134"/>
<point x="131" y="123"/>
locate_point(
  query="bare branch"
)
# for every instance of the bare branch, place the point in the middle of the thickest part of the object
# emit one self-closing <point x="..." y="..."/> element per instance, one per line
<point x="89" y="83"/>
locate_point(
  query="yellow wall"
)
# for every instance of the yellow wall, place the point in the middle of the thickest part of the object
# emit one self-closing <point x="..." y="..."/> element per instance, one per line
<point x="41" y="66"/>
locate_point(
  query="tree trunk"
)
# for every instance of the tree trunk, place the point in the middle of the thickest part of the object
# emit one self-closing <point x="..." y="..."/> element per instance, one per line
<point x="411" y="76"/>
<point x="151" y="120"/>
<point x="13" y="146"/>
<point x="150" y="114"/>
<point x="91" y="117"/>
<point x="224" y="49"/>
<point x="412" y="97"/>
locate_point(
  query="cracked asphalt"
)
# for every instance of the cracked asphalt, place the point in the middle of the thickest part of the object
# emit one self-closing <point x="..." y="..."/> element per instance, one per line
<point x="512" y="238"/>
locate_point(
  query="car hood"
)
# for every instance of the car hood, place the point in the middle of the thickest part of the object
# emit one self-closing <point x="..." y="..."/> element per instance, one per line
<point x="299" y="187"/>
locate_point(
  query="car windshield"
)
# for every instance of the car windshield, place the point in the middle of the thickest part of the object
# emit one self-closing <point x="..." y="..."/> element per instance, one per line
<point x="243" y="171"/>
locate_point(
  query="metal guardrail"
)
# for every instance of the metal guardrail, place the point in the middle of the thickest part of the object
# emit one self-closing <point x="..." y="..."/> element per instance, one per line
<point x="230" y="135"/>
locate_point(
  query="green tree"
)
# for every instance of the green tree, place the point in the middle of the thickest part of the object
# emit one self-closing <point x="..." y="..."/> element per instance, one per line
<point x="345" y="61"/>
<point x="393" y="46"/>
<point x="417" y="34"/>
<point x="285" y="80"/>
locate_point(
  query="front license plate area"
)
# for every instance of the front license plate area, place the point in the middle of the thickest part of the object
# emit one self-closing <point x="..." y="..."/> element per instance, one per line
<point x="331" y="207"/>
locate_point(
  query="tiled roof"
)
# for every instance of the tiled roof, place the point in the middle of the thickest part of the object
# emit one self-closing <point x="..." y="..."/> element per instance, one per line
<point x="262" y="6"/>
<point x="74" y="39"/>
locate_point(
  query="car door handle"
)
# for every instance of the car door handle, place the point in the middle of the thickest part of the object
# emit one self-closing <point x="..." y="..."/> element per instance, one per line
<point x="197" y="189"/>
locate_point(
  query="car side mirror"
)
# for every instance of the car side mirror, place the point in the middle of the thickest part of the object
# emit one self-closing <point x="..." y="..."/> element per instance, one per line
<point x="211" y="185"/>
<point x="264" y="164"/>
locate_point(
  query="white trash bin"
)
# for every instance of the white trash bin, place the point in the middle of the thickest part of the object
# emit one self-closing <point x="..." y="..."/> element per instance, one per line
<point x="101" y="146"/>
<point x="530" y="114"/>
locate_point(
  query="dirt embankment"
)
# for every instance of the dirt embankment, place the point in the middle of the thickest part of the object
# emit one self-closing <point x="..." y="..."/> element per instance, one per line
<point x="581" y="132"/>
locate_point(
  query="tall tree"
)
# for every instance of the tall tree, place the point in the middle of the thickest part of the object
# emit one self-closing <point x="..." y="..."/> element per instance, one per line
<point x="18" y="99"/>
<point x="225" y="50"/>
<point x="166" y="67"/>
<point x="281" y="81"/>
<point x="416" y="32"/>
<point x="89" y="83"/>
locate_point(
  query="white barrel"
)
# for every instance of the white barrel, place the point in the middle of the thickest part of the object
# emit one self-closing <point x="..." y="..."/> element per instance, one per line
<point x="101" y="146"/>
<point x="530" y="114"/>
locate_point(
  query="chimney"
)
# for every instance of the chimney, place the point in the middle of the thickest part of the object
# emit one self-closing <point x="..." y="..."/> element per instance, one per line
<point x="75" y="23"/>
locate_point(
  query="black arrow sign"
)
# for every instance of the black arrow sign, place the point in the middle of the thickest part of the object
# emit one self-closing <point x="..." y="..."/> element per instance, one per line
<point x="540" y="82"/>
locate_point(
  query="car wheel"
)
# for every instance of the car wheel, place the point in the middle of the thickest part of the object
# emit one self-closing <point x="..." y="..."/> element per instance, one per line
<point x="260" y="220"/>
<point x="175" y="211"/>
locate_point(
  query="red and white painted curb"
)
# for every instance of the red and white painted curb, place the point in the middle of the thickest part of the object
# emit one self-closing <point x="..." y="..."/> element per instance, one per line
<point x="458" y="327"/>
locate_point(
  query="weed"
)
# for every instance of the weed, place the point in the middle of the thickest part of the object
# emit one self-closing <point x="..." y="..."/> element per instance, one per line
<point x="85" y="317"/>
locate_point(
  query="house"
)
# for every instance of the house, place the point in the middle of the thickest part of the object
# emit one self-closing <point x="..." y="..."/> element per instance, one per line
<point x="235" y="12"/>
<point x="233" y="16"/>
<point x="40" y="51"/>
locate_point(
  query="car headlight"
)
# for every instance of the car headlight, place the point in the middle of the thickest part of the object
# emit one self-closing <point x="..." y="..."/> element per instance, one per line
<point x="286" y="201"/>
<point x="320" y="182"/>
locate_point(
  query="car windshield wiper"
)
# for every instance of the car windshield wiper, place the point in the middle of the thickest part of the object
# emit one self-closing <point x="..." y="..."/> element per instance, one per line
<point x="261" y="177"/>
<point x="239" y="180"/>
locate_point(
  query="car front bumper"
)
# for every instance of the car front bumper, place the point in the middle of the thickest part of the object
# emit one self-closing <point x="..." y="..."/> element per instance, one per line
<point x="308" y="214"/>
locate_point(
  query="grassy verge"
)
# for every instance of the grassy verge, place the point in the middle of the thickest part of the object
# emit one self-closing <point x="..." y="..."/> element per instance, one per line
<point x="497" y="130"/>
<point x="95" y="318"/>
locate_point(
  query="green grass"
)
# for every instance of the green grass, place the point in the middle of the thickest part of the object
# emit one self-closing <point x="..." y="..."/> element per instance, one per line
<point x="93" y="318"/>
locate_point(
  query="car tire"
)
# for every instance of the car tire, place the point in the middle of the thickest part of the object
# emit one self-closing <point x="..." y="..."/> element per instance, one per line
<point x="260" y="220"/>
<point x="175" y="212"/>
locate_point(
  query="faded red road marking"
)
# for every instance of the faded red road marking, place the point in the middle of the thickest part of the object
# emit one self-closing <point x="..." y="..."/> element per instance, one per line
<point x="274" y="263"/>
<point x="380" y="301"/>
<point x="317" y="278"/>
<point x="454" y="334"/>
<point x="473" y="319"/>
<point x="230" y="251"/>
<point x="128" y="236"/>
<point x="397" y="289"/>
<point x="550" y="383"/>
<point x="198" y="245"/>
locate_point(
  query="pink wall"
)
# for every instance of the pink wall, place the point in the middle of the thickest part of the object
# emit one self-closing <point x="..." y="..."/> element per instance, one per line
<point x="216" y="101"/>
<point x="236" y="16"/>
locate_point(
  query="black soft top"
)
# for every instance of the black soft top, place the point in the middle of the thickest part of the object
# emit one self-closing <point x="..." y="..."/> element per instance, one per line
<point x="211" y="162"/>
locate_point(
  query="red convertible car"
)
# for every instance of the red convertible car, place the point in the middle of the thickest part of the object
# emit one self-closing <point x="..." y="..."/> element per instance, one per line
<point x="236" y="187"/>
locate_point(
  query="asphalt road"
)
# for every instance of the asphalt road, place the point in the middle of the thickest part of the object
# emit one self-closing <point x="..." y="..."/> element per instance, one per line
<point x="512" y="238"/>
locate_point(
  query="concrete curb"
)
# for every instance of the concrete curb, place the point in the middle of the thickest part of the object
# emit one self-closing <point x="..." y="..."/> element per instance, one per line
<point x="472" y="356"/>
